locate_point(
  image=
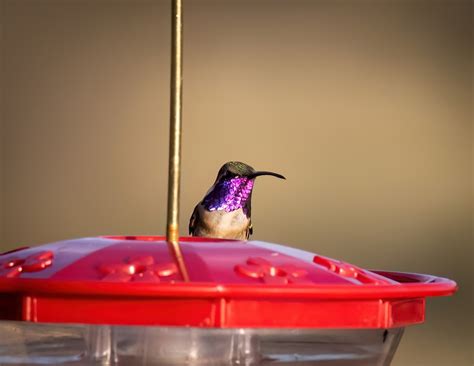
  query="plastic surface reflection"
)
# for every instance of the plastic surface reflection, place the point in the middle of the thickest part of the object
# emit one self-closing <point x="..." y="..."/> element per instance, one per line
<point x="23" y="343"/>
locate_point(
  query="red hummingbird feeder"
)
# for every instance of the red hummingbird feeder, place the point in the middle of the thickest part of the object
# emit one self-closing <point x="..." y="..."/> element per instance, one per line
<point x="150" y="300"/>
<point x="122" y="300"/>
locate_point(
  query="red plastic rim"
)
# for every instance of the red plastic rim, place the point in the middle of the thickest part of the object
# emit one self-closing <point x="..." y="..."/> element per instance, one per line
<point x="134" y="280"/>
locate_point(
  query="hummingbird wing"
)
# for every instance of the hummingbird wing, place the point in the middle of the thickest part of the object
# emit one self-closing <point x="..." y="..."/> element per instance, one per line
<point x="193" y="220"/>
<point x="248" y="213"/>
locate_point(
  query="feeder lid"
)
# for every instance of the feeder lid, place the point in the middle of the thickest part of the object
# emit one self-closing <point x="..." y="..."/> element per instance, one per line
<point x="134" y="280"/>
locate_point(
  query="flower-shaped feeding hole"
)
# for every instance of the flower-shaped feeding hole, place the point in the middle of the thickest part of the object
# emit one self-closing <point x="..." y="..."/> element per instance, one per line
<point x="263" y="270"/>
<point x="14" y="265"/>
<point x="347" y="270"/>
<point x="137" y="269"/>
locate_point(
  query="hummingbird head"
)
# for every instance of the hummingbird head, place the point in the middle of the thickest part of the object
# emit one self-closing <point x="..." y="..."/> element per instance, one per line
<point x="233" y="187"/>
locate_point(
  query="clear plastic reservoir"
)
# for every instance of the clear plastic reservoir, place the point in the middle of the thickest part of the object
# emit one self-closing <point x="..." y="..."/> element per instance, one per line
<point x="26" y="343"/>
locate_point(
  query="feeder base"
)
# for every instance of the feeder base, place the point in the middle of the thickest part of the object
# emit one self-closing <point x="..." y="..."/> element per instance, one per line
<point x="25" y="343"/>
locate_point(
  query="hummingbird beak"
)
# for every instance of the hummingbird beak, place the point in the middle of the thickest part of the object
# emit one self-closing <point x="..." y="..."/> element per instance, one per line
<point x="257" y="174"/>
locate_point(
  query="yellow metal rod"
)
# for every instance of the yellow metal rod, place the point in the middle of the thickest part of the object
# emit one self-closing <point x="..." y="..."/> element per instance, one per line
<point x="172" y="230"/>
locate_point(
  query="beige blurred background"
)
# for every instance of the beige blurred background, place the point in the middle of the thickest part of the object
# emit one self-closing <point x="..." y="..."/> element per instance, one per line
<point x="365" y="106"/>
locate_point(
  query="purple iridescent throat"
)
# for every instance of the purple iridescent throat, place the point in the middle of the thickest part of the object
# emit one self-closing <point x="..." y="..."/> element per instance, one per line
<point x="229" y="195"/>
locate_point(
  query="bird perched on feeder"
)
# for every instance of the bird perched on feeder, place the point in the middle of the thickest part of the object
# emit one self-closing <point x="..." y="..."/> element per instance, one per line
<point x="225" y="210"/>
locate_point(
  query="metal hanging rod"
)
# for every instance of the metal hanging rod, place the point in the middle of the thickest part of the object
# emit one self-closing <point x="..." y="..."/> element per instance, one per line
<point x="174" y="169"/>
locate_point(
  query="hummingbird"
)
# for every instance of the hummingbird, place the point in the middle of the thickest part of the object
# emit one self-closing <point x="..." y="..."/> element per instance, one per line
<point x="225" y="210"/>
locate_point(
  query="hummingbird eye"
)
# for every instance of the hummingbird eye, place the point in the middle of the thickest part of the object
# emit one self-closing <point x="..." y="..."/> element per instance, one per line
<point x="229" y="175"/>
